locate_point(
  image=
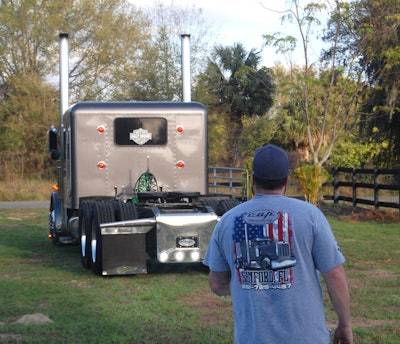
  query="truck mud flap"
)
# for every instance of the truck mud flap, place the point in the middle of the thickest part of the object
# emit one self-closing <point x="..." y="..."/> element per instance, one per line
<point x="124" y="254"/>
<point x="124" y="246"/>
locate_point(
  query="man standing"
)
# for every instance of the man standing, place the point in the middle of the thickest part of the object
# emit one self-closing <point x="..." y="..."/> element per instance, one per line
<point x="268" y="254"/>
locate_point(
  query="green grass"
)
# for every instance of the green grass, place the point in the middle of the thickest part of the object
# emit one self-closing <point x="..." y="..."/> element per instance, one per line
<point x="37" y="277"/>
<point x="169" y="306"/>
<point x="372" y="252"/>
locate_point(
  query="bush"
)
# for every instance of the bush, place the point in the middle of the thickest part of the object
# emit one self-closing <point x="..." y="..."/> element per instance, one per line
<point x="19" y="189"/>
<point x="311" y="178"/>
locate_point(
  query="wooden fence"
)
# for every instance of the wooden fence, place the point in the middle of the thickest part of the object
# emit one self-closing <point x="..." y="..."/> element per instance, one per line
<point x="364" y="185"/>
<point x="230" y="181"/>
<point x="370" y="179"/>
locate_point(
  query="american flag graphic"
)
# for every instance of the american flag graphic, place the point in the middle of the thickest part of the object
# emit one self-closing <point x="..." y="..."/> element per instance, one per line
<point x="239" y="233"/>
<point x="278" y="230"/>
<point x="259" y="237"/>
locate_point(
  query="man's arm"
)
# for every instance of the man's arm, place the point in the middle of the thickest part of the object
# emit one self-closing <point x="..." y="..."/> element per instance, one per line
<point x="220" y="282"/>
<point x="340" y="296"/>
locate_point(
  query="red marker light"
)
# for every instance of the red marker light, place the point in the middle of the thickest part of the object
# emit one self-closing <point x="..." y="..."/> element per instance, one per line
<point x="180" y="164"/>
<point x="179" y="129"/>
<point x="101" y="165"/>
<point x="101" y="129"/>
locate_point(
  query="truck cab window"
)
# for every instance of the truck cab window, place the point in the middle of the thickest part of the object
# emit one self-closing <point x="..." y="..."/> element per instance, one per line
<point x="143" y="131"/>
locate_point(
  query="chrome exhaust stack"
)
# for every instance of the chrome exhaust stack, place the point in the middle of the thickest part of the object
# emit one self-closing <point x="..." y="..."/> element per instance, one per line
<point x="64" y="103"/>
<point x="64" y="92"/>
<point x="185" y="46"/>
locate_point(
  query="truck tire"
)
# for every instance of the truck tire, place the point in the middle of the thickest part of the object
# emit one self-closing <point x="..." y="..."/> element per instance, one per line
<point x="52" y="225"/>
<point x="85" y="232"/>
<point x="125" y="211"/>
<point x="102" y="213"/>
<point x="225" y="205"/>
<point x="210" y="202"/>
<point x="54" y="219"/>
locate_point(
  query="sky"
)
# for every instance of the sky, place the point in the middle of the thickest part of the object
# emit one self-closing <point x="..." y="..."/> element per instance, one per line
<point x="244" y="21"/>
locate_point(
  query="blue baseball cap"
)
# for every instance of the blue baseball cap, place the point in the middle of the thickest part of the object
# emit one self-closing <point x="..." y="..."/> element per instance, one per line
<point x="270" y="163"/>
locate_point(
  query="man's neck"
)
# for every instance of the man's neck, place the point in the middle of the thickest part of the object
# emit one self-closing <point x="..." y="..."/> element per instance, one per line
<point x="279" y="192"/>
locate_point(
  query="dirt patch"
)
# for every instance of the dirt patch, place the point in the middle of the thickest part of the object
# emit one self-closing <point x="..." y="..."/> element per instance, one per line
<point x="371" y="323"/>
<point x="28" y="319"/>
<point x="358" y="214"/>
<point x="11" y="336"/>
<point x="374" y="274"/>
<point x="212" y="309"/>
<point x="359" y="322"/>
<point x="33" y="319"/>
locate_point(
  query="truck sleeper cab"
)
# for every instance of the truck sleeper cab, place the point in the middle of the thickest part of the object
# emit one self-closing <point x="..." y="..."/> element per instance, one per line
<point x="132" y="184"/>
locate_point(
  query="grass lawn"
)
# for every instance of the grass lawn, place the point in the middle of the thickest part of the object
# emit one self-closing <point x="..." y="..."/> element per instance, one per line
<point x="171" y="306"/>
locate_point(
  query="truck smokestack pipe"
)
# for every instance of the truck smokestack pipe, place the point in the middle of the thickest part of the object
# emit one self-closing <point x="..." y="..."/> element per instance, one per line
<point x="64" y="103"/>
<point x="64" y="94"/>
<point x="185" y="40"/>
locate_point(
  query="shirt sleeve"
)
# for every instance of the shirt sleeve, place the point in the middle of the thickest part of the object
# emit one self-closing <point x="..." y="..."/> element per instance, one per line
<point x="326" y="251"/>
<point x="215" y="257"/>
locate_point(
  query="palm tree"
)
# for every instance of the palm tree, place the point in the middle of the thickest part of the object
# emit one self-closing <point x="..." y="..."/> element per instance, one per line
<point x="235" y="85"/>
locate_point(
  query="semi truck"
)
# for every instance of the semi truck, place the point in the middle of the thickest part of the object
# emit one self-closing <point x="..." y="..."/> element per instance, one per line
<point x="132" y="182"/>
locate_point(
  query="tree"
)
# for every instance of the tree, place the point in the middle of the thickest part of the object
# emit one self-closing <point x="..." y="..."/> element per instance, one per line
<point x="285" y="115"/>
<point x="107" y="46"/>
<point x="160" y="76"/>
<point x="377" y="25"/>
<point x="234" y="84"/>
<point x="106" y="40"/>
<point x="327" y="94"/>
<point x="25" y="115"/>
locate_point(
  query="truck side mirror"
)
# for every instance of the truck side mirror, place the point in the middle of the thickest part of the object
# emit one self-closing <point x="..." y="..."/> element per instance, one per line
<point x="52" y="143"/>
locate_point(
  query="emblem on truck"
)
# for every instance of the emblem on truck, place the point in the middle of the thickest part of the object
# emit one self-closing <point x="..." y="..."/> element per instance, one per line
<point x="140" y="136"/>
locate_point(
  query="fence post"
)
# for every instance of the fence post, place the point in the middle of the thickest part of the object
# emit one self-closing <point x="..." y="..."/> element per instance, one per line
<point x="247" y="191"/>
<point x="215" y="179"/>
<point x="354" y="182"/>
<point x="335" y="185"/>
<point x="376" y="189"/>
<point x="230" y="182"/>
<point x="375" y="185"/>
<point x="397" y="178"/>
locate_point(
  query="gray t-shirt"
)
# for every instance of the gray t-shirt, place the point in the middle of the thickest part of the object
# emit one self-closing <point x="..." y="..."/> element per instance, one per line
<point x="275" y="247"/>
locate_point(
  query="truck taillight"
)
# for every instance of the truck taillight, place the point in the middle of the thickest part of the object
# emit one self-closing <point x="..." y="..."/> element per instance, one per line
<point x="195" y="256"/>
<point x="180" y="255"/>
<point x="101" y="165"/>
<point x="101" y="129"/>
<point x="163" y="257"/>
<point x="180" y="164"/>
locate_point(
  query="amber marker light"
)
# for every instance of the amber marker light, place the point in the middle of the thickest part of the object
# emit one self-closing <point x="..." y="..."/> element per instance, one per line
<point x="101" y="165"/>
<point x="180" y="164"/>
<point x="101" y="129"/>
